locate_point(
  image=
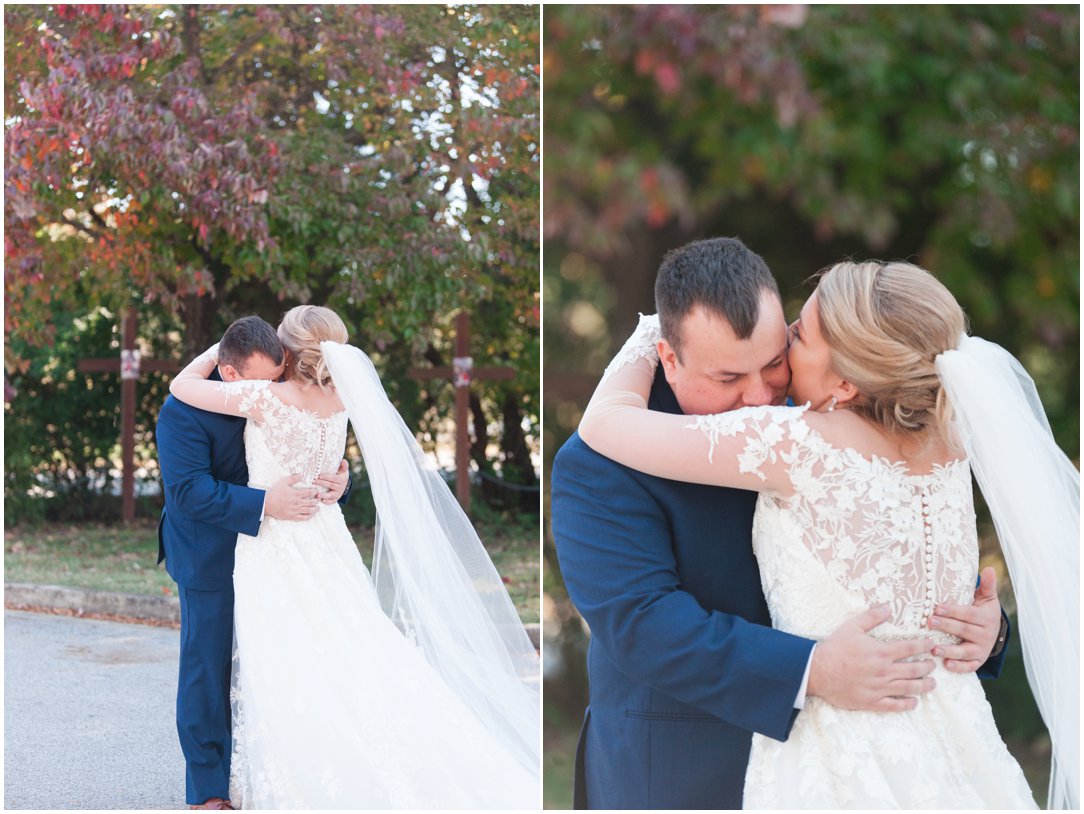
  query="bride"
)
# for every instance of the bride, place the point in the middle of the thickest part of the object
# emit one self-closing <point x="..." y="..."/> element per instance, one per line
<point x="413" y="688"/>
<point x="865" y="500"/>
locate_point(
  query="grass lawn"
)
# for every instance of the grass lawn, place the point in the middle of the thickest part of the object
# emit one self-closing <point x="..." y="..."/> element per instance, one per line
<point x="559" y="737"/>
<point x="122" y="558"/>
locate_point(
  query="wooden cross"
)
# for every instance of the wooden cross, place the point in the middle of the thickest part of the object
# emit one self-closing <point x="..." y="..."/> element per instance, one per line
<point x="462" y="373"/>
<point x="130" y="366"/>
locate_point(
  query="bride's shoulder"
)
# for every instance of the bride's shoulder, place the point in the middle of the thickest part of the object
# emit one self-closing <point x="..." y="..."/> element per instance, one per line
<point x="308" y="398"/>
<point x="840" y="428"/>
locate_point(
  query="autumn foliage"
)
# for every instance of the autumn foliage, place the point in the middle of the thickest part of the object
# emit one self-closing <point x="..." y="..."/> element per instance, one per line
<point x="324" y="151"/>
<point x="201" y="162"/>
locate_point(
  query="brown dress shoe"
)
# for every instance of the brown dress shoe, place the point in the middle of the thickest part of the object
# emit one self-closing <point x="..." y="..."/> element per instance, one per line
<point x="215" y="804"/>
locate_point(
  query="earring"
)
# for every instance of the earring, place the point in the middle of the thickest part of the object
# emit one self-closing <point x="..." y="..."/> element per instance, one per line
<point x="832" y="406"/>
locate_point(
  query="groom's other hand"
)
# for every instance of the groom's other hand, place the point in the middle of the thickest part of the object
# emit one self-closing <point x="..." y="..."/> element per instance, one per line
<point x="853" y="670"/>
<point x="978" y="625"/>
<point x="335" y="483"/>
<point x="284" y="502"/>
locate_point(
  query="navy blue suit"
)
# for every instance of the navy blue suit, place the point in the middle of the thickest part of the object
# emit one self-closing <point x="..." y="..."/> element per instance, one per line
<point x="207" y="503"/>
<point x="683" y="662"/>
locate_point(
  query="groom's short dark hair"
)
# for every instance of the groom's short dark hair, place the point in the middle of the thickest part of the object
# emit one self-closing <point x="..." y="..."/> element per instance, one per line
<point x="720" y="274"/>
<point x="245" y="337"/>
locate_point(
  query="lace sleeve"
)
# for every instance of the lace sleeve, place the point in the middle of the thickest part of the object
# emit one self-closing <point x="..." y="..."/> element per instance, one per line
<point x="750" y="448"/>
<point x="249" y="398"/>
<point x="640" y="350"/>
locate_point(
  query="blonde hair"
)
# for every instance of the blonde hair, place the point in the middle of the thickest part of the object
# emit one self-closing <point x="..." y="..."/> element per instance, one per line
<point x="885" y="324"/>
<point x="301" y="331"/>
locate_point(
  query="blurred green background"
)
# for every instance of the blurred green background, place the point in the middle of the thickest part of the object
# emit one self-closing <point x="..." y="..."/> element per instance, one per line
<point x="943" y="135"/>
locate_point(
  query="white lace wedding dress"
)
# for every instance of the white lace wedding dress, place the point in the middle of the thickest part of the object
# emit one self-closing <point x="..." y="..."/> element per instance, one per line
<point x="333" y="707"/>
<point x="858" y="533"/>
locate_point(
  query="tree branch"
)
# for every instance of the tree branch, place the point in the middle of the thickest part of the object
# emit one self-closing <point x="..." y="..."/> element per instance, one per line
<point x="97" y="218"/>
<point x="76" y="224"/>
<point x="190" y="37"/>
<point x="242" y="50"/>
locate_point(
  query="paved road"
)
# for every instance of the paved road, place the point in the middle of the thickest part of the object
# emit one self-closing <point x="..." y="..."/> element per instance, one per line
<point x="88" y="715"/>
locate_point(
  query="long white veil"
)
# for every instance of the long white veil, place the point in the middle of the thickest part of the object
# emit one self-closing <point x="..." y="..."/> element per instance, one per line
<point x="432" y="573"/>
<point x="1033" y="491"/>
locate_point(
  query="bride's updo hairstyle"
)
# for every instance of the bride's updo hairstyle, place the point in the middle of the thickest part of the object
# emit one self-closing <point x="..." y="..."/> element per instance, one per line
<point x="885" y="324"/>
<point x="301" y="331"/>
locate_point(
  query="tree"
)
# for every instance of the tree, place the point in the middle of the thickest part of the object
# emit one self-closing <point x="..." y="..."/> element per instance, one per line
<point x="211" y="161"/>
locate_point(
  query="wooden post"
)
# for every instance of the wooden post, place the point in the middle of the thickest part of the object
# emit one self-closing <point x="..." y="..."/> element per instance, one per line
<point x="462" y="373"/>
<point x="130" y="365"/>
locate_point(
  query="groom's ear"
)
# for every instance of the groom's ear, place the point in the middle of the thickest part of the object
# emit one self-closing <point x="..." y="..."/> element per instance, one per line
<point x="229" y="373"/>
<point x="668" y="359"/>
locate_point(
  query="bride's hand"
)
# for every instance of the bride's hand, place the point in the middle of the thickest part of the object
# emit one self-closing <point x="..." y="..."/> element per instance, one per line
<point x="978" y="625"/>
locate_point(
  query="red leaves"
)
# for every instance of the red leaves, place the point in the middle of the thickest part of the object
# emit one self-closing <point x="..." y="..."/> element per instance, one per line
<point x="668" y="78"/>
<point x="666" y="74"/>
<point x="657" y="214"/>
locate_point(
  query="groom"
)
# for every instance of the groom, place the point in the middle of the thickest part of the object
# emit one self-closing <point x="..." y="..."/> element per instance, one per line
<point x="683" y="663"/>
<point x="207" y="504"/>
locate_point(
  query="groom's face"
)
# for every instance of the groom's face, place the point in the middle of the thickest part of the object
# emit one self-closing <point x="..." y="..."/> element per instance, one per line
<point x="718" y="371"/>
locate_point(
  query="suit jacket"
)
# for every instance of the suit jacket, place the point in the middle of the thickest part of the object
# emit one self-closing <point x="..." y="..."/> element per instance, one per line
<point x="683" y="662"/>
<point x="207" y="500"/>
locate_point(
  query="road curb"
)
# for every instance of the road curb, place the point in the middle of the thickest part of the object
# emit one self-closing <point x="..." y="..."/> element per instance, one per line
<point x="80" y="601"/>
<point x="19" y="595"/>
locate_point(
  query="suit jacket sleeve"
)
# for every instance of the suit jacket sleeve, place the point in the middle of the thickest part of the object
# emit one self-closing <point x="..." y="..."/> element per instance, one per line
<point x="346" y="493"/>
<point x="992" y="667"/>
<point x="184" y="454"/>
<point x="617" y="561"/>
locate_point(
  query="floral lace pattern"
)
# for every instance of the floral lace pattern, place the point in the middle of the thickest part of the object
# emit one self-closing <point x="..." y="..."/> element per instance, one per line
<point x="855" y="528"/>
<point x="282" y="439"/>
<point x="643" y="344"/>
<point x="854" y="533"/>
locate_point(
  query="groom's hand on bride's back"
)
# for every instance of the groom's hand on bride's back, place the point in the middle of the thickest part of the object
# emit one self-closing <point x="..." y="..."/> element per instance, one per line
<point x="284" y="502"/>
<point x="978" y="626"/>
<point x="334" y="482"/>
<point x="853" y="670"/>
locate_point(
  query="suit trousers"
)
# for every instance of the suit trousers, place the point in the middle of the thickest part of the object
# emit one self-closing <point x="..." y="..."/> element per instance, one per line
<point x="203" y="692"/>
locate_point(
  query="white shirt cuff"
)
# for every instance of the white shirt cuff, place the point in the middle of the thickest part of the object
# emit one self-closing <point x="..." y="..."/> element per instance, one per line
<point x="799" y="702"/>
